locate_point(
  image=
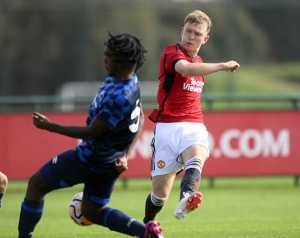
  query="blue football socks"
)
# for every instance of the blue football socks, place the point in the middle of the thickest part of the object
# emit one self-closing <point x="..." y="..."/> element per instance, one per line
<point x="115" y="220"/>
<point x="31" y="213"/>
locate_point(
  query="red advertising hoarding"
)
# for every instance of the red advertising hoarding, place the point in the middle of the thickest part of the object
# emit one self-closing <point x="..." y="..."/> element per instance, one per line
<point x="241" y="144"/>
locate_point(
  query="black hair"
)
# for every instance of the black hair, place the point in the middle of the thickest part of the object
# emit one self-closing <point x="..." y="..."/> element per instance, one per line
<point x="126" y="51"/>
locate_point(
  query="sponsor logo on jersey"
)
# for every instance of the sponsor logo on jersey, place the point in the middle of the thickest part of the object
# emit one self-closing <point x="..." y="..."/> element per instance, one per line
<point x="193" y="85"/>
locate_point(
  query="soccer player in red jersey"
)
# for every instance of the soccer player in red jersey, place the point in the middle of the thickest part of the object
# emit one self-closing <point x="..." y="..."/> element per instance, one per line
<point x="180" y="138"/>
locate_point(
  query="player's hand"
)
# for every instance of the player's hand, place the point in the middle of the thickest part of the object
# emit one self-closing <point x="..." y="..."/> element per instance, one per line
<point x="231" y="66"/>
<point x="41" y="121"/>
<point x="121" y="164"/>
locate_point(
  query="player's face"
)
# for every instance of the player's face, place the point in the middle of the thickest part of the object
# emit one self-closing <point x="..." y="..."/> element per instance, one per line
<point x="193" y="36"/>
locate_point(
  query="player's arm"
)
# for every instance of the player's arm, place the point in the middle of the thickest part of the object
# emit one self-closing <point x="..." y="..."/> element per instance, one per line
<point x="96" y="130"/>
<point x="122" y="163"/>
<point x="193" y="69"/>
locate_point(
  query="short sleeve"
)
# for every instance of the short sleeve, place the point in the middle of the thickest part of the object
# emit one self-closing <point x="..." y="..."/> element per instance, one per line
<point x="171" y="58"/>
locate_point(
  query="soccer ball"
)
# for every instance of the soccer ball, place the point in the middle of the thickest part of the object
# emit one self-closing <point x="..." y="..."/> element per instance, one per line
<point x="75" y="210"/>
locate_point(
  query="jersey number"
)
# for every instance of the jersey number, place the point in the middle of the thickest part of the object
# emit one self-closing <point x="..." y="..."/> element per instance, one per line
<point x="135" y="116"/>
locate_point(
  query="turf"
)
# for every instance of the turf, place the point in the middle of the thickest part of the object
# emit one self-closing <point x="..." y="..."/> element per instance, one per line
<point x="234" y="208"/>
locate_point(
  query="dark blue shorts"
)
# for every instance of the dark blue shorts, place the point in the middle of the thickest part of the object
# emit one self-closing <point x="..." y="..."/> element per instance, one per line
<point x="66" y="170"/>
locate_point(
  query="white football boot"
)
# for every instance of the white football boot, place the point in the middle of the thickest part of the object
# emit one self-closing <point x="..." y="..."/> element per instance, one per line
<point x="187" y="204"/>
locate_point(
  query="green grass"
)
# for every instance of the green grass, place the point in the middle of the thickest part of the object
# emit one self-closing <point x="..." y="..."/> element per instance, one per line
<point x="235" y="208"/>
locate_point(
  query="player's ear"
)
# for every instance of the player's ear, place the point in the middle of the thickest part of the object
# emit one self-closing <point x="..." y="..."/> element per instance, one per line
<point x="107" y="63"/>
<point x="181" y="32"/>
<point x="206" y="38"/>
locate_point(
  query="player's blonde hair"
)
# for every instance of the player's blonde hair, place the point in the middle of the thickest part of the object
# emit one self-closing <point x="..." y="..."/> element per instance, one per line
<point x="199" y="17"/>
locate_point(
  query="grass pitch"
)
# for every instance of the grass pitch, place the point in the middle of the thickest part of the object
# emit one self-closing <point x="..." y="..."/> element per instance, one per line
<point x="235" y="208"/>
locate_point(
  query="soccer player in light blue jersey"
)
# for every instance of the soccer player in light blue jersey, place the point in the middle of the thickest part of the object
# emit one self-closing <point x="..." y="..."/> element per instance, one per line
<point x="114" y="119"/>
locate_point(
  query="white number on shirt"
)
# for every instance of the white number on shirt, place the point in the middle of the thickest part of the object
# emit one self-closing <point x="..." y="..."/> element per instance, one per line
<point x="135" y="116"/>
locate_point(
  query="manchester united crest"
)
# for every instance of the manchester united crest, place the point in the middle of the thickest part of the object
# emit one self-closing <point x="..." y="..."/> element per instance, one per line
<point x="161" y="164"/>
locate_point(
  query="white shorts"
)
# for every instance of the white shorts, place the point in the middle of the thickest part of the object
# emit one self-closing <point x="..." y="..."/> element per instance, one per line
<point x="170" y="140"/>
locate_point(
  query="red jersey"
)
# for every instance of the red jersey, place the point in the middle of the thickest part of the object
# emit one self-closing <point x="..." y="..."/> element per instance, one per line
<point x="179" y="97"/>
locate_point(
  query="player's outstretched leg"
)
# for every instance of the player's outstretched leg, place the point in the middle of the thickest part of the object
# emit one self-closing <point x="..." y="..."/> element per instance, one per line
<point x="118" y="221"/>
<point x="190" y="199"/>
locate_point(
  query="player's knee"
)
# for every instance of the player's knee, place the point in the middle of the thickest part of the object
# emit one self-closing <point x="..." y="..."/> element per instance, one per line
<point x="35" y="183"/>
<point x="3" y="182"/>
<point x="158" y="201"/>
<point x="36" y="188"/>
